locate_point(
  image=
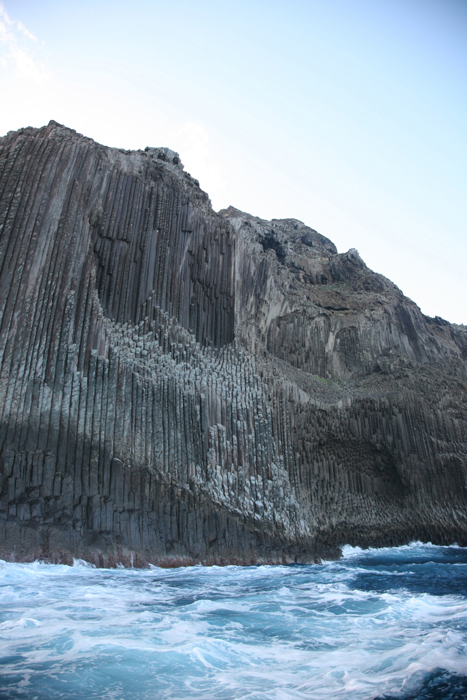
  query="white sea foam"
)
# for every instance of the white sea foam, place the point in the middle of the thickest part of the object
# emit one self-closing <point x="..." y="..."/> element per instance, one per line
<point x="416" y="545"/>
<point x="370" y="624"/>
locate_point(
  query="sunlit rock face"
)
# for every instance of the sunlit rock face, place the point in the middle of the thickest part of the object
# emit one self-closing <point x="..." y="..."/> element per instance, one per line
<point x="179" y="385"/>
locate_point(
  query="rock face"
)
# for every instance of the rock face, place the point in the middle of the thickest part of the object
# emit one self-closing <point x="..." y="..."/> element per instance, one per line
<point x="180" y="385"/>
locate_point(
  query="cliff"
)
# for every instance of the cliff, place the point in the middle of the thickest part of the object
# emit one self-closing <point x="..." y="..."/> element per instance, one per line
<point x="180" y="385"/>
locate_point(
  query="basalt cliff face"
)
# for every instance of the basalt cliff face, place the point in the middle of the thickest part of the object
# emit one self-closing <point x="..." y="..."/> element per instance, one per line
<point x="179" y="385"/>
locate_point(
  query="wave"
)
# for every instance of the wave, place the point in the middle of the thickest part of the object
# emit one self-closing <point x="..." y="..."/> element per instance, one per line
<point x="355" y="629"/>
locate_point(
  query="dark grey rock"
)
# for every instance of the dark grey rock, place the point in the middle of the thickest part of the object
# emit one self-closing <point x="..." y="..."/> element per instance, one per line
<point x="178" y="385"/>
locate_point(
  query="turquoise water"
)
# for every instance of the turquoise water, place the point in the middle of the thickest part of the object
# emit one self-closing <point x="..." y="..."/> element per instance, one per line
<point x="388" y="623"/>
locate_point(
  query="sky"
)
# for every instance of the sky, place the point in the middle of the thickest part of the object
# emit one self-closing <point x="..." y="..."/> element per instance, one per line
<point x="348" y="115"/>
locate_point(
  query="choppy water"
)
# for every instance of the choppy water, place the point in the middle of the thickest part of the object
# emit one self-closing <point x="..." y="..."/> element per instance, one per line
<point x="386" y="623"/>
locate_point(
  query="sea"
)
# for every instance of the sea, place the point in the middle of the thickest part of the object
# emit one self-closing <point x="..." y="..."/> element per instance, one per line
<point x="378" y="623"/>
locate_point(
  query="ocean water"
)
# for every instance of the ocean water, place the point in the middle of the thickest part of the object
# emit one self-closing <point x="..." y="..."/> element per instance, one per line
<point x="387" y="623"/>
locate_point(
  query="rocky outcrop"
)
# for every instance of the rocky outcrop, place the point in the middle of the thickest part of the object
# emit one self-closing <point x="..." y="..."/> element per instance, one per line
<point x="180" y="385"/>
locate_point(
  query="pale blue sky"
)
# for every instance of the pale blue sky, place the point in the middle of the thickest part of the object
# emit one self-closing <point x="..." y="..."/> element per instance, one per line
<point x="349" y="115"/>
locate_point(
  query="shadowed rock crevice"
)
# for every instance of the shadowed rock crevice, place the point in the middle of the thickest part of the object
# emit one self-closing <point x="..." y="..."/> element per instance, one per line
<point x="269" y="242"/>
<point x="179" y="385"/>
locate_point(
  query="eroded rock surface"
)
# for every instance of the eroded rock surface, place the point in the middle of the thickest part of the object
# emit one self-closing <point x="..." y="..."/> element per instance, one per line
<point x="180" y="385"/>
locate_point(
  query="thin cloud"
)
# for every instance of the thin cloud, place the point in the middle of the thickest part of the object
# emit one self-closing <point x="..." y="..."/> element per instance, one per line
<point x="4" y="15"/>
<point x="24" y="31"/>
<point x="15" y="51"/>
